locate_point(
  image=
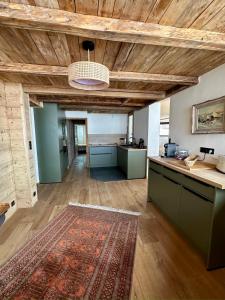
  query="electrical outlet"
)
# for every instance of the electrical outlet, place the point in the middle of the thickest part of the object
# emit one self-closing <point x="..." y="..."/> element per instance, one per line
<point x="207" y="150"/>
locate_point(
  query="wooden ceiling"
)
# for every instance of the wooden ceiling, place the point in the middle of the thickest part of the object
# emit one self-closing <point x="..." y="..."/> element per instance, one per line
<point x="178" y="41"/>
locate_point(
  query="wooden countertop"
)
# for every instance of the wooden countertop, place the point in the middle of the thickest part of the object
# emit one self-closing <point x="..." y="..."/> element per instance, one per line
<point x="211" y="177"/>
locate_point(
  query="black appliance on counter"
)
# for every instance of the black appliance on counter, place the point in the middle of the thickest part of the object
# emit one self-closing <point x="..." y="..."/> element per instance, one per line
<point x="170" y="149"/>
<point x="141" y="144"/>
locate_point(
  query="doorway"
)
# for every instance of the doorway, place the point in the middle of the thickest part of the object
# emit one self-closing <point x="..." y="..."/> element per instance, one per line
<point x="78" y="138"/>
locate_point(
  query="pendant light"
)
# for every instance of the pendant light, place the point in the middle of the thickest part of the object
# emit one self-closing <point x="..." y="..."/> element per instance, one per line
<point x="88" y="75"/>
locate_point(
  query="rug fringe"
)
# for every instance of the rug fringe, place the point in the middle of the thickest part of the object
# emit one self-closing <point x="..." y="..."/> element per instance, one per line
<point x="124" y="211"/>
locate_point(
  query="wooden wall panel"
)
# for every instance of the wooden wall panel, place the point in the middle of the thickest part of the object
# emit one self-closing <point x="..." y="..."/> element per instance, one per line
<point x="17" y="176"/>
<point x="7" y="184"/>
<point x="18" y="118"/>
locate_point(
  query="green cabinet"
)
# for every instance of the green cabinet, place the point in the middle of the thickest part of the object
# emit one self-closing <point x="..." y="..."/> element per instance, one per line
<point x="195" y="217"/>
<point x="132" y="162"/>
<point x="196" y="208"/>
<point x="154" y="187"/>
<point x="122" y="159"/>
<point x="103" y="156"/>
<point x="167" y="201"/>
<point x="170" y="200"/>
<point x="50" y="136"/>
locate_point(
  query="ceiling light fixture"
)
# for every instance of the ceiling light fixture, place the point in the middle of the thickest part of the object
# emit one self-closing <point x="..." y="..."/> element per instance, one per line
<point x="88" y="75"/>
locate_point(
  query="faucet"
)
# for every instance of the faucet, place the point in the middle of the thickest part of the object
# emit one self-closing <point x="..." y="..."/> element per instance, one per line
<point x="133" y="140"/>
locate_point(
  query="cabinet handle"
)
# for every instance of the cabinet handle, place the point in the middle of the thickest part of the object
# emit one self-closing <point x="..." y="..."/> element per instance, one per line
<point x="172" y="171"/>
<point x="171" y="180"/>
<point x="193" y="192"/>
<point x="155" y="171"/>
<point x="198" y="181"/>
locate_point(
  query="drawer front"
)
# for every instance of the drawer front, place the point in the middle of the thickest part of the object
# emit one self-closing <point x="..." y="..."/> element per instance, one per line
<point x="102" y="160"/>
<point x="176" y="176"/>
<point x="102" y="150"/>
<point x="200" y="188"/>
<point x="154" y="166"/>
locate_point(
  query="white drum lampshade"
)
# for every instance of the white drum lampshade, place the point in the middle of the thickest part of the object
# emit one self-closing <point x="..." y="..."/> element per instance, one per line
<point x="87" y="75"/>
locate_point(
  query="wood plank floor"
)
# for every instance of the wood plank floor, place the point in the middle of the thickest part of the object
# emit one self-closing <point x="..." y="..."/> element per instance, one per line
<point x="166" y="266"/>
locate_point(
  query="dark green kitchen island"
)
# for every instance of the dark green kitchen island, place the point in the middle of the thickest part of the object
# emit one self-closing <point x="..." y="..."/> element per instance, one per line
<point x="194" y="201"/>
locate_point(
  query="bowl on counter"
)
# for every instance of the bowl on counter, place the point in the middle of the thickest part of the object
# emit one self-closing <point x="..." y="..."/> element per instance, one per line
<point x="181" y="154"/>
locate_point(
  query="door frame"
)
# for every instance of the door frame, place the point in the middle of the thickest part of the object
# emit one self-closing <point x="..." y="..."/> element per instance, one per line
<point x="87" y="146"/>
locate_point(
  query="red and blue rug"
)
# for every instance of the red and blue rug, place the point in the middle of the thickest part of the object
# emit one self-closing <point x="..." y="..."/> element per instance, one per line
<point x="83" y="253"/>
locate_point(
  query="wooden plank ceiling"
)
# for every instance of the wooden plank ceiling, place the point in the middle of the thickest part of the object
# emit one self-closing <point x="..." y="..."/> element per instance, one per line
<point x="23" y="50"/>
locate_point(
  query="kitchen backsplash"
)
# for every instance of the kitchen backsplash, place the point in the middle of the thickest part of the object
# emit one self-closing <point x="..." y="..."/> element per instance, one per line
<point x="105" y="138"/>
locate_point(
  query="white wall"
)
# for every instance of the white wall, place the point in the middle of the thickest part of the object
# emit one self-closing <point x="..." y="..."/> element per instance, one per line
<point x="147" y="125"/>
<point x="70" y="114"/>
<point x="107" y="123"/>
<point x="141" y="118"/>
<point x="211" y="86"/>
<point x="102" y="123"/>
<point x="154" y="129"/>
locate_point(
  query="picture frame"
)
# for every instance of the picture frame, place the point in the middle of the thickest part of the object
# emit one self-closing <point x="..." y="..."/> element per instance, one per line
<point x="209" y="117"/>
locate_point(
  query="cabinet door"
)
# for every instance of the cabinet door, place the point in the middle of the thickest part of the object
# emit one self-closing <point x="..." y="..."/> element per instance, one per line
<point x="122" y="159"/>
<point x="165" y="193"/>
<point x="195" y="217"/>
<point x="154" y="187"/>
<point x="170" y="198"/>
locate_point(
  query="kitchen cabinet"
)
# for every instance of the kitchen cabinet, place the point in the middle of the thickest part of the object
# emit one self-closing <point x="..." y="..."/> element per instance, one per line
<point x="195" y="207"/>
<point x="103" y="156"/>
<point x="195" y="217"/>
<point x="132" y="162"/>
<point x="122" y="159"/>
<point x="167" y="201"/>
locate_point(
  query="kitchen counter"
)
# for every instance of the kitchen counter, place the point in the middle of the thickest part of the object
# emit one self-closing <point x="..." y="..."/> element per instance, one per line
<point x="131" y="148"/>
<point x="194" y="201"/>
<point x="132" y="161"/>
<point x="211" y="177"/>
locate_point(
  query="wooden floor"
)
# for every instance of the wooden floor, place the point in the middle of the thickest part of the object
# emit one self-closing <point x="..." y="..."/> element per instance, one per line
<point x="166" y="266"/>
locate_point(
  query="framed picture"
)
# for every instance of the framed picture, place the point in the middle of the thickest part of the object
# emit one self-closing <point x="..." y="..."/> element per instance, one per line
<point x="209" y="117"/>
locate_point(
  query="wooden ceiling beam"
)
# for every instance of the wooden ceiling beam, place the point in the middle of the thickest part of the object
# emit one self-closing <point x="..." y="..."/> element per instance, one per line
<point x="98" y="108"/>
<point x="90" y="102"/>
<point x="111" y="93"/>
<point x="34" y="102"/>
<point x="43" y="70"/>
<point x="153" y="78"/>
<point x="54" y="20"/>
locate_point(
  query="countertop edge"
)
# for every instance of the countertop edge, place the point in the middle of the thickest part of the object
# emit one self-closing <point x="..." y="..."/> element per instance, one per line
<point x="193" y="174"/>
<point x="116" y="145"/>
<point x="131" y="149"/>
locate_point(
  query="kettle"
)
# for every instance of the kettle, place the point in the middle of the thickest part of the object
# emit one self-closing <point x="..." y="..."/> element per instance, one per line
<point x="221" y="163"/>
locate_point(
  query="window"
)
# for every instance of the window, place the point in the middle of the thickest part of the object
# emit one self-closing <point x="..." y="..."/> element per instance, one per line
<point x="130" y="127"/>
<point x="164" y="134"/>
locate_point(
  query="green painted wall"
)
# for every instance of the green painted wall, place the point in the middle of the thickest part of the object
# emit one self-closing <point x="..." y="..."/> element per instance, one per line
<point x="49" y="126"/>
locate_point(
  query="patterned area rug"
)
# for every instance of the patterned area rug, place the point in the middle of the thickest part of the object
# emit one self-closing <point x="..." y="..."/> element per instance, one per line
<point x="83" y="253"/>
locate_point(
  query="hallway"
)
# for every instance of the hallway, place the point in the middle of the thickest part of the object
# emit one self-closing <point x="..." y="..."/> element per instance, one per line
<point x="166" y="266"/>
